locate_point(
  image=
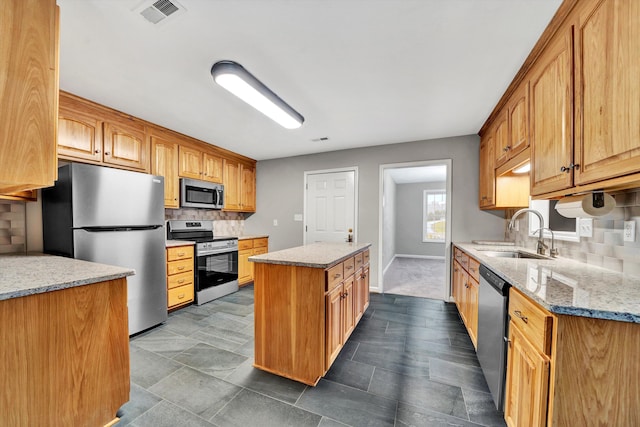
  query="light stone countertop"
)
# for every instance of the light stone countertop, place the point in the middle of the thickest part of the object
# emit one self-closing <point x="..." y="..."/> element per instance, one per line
<point x="22" y="275"/>
<point x="174" y="243"/>
<point x="316" y="255"/>
<point x="565" y="286"/>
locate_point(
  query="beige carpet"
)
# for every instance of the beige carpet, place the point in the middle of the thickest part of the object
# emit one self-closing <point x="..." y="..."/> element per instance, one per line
<point x="416" y="277"/>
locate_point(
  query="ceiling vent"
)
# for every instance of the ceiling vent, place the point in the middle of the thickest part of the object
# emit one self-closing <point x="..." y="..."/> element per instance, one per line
<point x="159" y="11"/>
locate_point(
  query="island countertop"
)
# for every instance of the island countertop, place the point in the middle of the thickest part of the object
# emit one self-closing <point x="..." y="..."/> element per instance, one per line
<point x="22" y="275"/>
<point x="566" y="286"/>
<point x="316" y="255"/>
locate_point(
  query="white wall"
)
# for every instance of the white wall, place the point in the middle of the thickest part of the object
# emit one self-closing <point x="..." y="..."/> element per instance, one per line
<point x="409" y="220"/>
<point x="280" y="191"/>
<point x="389" y="219"/>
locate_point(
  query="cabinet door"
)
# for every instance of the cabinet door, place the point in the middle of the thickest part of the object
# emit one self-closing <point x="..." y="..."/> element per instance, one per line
<point x="245" y="272"/>
<point x="348" y="308"/>
<point x="358" y="289"/>
<point x="487" y="171"/>
<point x="125" y="146"/>
<point x="164" y="162"/>
<point x="190" y="163"/>
<point x="334" y="331"/>
<point x="607" y="90"/>
<point x="248" y="189"/>
<point x="231" y="185"/>
<point x="518" y="108"/>
<point x="365" y="287"/>
<point x="551" y="116"/>
<point x="472" y="309"/>
<point x="79" y="136"/>
<point x="527" y="383"/>
<point x="501" y="139"/>
<point x="211" y="168"/>
<point x="29" y="88"/>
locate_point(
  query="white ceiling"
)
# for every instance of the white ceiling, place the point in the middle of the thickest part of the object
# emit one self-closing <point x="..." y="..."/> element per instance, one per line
<point x="413" y="175"/>
<point x="361" y="72"/>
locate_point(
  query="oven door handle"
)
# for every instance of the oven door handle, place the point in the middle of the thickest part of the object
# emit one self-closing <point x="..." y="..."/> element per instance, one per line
<point x="216" y="252"/>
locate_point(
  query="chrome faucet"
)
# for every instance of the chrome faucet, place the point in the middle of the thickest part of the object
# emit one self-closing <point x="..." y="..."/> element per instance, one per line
<point x="540" y="247"/>
<point x="553" y="252"/>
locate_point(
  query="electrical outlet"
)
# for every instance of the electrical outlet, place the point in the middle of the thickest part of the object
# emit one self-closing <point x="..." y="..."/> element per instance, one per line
<point x="629" y="231"/>
<point x="585" y="227"/>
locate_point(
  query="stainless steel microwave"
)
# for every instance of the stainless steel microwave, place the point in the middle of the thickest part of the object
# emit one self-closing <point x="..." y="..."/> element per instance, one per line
<point x="201" y="194"/>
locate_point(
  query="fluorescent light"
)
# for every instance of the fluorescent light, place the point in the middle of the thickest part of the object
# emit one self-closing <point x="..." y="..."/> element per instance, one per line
<point x="237" y="80"/>
<point x="523" y="169"/>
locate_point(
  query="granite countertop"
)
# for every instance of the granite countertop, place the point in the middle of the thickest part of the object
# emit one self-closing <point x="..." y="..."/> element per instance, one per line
<point x="316" y="255"/>
<point x="252" y="236"/>
<point x="173" y="243"/>
<point x="565" y="286"/>
<point x="22" y="275"/>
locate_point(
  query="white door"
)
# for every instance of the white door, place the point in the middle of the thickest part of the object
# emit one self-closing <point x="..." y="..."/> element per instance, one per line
<point x="330" y="206"/>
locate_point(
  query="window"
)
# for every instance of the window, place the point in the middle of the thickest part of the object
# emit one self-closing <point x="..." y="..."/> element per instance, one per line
<point x="434" y="213"/>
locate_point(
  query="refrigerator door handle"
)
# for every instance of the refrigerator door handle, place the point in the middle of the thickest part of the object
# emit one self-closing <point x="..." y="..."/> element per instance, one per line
<point x="100" y="229"/>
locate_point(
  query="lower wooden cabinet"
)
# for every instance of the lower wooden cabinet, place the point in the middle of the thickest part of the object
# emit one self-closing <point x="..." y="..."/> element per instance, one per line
<point x="465" y="287"/>
<point x="247" y="248"/>
<point x="180" y="276"/>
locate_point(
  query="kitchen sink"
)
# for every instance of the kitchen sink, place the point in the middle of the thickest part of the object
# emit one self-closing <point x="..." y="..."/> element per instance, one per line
<point x="512" y="254"/>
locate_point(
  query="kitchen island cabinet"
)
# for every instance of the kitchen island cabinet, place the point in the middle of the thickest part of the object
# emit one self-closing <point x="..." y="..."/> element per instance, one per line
<point x="306" y="306"/>
<point x="65" y="344"/>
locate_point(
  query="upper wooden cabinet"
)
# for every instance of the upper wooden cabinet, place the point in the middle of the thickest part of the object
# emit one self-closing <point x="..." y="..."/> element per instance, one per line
<point x="551" y="115"/>
<point x="29" y="94"/>
<point x="487" y="171"/>
<point x="501" y="139"/>
<point x="512" y="126"/>
<point x="607" y="113"/>
<point x="239" y="186"/>
<point x="199" y="164"/>
<point x="88" y="132"/>
<point x="164" y="162"/>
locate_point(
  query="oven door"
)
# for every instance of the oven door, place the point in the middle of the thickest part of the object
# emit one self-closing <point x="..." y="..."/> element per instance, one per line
<point x="214" y="270"/>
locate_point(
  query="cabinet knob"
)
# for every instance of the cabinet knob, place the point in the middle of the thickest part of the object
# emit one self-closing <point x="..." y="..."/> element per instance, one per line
<point x="507" y="148"/>
<point x="180" y="296"/>
<point x="181" y="281"/>
<point x="106" y="153"/>
<point x="180" y="268"/>
<point x="336" y="276"/>
<point x="97" y="151"/>
<point x="568" y="168"/>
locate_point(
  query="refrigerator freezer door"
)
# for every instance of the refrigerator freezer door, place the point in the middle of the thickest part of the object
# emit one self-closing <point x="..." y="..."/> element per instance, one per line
<point x="142" y="250"/>
<point x="107" y="197"/>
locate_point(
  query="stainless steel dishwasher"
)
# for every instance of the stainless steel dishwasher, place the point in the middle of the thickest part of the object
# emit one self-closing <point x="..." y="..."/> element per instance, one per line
<point x="492" y="332"/>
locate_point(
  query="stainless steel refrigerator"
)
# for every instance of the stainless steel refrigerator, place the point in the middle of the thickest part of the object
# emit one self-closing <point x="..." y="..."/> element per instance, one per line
<point x="116" y="217"/>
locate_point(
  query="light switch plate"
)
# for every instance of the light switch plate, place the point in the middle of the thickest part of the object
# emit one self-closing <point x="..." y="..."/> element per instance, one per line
<point x="585" y="227"/>
<point x="629" y="231"/>
<point x="275" y="222"/>
<point x="297" y="217"/>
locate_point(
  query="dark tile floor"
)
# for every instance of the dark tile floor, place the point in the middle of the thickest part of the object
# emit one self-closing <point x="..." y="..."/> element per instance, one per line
<point x="408" y="363"/>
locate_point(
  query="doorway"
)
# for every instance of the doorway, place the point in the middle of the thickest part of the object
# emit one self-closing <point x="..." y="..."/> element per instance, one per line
<point x="415" y="228"/>
<point x="330" y="205"/>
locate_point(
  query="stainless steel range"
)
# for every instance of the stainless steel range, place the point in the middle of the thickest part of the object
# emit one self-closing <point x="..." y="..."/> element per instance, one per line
<point x="216" y="258"/>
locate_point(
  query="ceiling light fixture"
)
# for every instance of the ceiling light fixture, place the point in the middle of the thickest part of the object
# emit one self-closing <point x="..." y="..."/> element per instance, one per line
<point x="523" y="169"/>
<point x="237" y="80"/>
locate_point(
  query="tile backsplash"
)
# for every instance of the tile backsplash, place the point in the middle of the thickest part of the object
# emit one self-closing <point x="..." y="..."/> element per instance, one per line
<point x="607" y="247"/>
<point x="12" y="227"/>
<point x="224" y="223"/>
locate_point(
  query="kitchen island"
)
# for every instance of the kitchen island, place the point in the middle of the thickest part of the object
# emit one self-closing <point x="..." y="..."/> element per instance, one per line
<point x="308" y="300"/>
<point x="65" y="344"/>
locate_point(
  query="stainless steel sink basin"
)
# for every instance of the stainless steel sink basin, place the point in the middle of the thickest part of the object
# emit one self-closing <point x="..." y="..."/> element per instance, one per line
<point x="512" y="254"/>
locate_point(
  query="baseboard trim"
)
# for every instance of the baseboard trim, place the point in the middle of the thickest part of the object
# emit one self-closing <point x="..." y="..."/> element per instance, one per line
<point x="417" y="256"/>
<point x="388" y="265"/>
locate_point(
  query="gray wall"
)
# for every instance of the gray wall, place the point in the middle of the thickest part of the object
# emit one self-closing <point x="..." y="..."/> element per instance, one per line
<point x="280" y="191"/>
<point x="389" y="220"/>
<point x="409" y="220"/>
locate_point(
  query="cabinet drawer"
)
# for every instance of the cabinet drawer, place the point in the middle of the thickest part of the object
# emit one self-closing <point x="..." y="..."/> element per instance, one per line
<point x="365" y="257"/>
<point x="180" y="295"/>
<point x="359" y="260"/>
<point x="474" y="269"/>
<point x="462" y="258"/>
<point x="262" y="242"/>
<point x="180" y="279"/>
<point x="179" y="266"/>
<point x="179" y="252"/>
<point x="534" y="322"/>
<point x="334" y="276"/>
<point x="260" y="251"/>
<point x="245" y="244"/>
<point x="349" y="266"/>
